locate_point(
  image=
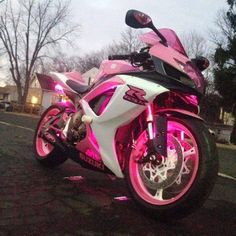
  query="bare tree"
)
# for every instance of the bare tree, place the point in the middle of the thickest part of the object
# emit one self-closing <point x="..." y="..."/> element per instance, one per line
<point x="130" y="41"/>
<point x="195" y="44"/>
<point x="91" y="60"/>
<point x="27" y="31"/>
<point x="223" y="29"/>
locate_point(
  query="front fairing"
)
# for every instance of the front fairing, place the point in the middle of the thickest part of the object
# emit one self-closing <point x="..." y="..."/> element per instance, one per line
<point x="174" y="55"/>
<point x="180" y="62"/>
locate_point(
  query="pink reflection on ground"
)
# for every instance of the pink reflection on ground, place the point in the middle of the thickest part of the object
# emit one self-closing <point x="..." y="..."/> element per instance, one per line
<point x="74" y="178"/>
<point x="122" y="198"/>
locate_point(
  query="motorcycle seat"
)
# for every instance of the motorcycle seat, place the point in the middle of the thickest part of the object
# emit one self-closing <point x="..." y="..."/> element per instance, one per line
<point x="76" y="82"/>
<point x="78" y="87"/>
<point x="73" y="80"/>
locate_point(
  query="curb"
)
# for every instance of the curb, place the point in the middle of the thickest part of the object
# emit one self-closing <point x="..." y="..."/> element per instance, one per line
<point x="226" y="146"/>
<point x="22" y="114"/>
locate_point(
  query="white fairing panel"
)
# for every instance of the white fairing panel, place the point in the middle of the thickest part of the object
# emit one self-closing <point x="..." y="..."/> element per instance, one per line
<point x="118" y="112"/>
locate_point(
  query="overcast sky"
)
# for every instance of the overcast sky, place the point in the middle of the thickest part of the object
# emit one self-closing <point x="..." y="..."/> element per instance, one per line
<point x="103" y="20"/>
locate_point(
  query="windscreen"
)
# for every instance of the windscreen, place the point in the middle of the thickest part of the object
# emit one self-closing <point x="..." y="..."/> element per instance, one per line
<point x="173" y="41"/>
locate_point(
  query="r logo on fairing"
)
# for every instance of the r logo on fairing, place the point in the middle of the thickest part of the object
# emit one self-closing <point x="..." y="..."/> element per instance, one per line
<point x="135" y="95"/>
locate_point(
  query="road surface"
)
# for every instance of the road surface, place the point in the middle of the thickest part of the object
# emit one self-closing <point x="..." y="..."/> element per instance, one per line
<point x="37" y="201"/>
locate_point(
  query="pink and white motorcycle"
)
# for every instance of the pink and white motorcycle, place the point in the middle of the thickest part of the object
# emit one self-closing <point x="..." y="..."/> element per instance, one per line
<point x="139" y="121"/>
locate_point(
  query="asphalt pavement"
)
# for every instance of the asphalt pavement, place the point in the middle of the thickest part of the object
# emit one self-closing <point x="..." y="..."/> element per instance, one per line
<point x="38" y="201"/>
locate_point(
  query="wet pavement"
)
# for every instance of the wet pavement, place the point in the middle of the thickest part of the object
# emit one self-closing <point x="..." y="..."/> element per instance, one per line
<point x="38" y="201"/>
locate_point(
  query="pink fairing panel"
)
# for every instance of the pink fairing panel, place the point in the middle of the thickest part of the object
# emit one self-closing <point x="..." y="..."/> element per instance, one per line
<point x="174" y="55"/>
<point x="89" y="145"/>
<point x="103" y="87"/>
<point x="180" y="62"/>
<point x="173" y="41"/>
<point x="114" y="67"/>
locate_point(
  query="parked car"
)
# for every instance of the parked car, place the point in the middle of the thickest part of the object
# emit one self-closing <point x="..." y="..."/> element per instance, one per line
<point x="4" y="104"/>
<point x="7" y="106"/>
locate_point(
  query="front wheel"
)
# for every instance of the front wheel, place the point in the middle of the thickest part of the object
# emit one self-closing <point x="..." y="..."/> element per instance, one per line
<point x="173" y="186"/>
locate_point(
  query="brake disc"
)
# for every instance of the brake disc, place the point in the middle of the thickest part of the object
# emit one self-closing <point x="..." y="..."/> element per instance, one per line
<point x="165" y="173"/>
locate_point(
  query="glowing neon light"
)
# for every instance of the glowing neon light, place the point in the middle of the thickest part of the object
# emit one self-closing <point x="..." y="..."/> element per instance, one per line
<point x="149" y="115"/>
<point x="150" y="122"/>
<point x="59" y="89"/>
<point x="92" y="154"/>
<point x="192" y="99"/>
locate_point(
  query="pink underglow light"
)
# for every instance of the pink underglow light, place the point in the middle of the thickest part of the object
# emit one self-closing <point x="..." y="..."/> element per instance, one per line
<point x="151" y="134"/>
<point x="93" y="139"/>
<point x="59" y="89"/>
<point x="182" y="135"/>
<point x="192" y="99"/>
<point x="149" y="115"/>
<point x="92" y="154"/>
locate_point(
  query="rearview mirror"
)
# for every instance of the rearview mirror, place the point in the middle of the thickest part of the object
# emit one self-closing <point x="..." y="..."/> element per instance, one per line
<point x="202" y="63"/>
<point x="137" y="19"/>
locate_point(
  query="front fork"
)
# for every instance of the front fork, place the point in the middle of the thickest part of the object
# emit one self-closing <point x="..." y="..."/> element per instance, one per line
<point x="157" y="131"/>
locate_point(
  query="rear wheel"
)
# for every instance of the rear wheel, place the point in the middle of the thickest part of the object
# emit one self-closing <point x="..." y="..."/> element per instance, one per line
<point x="46" y="153"/>
<point x="175" y="185"/>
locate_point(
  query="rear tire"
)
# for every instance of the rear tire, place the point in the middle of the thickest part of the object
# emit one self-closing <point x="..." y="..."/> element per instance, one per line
<point x="185" y="193"/>
<point x="45" y="153"/>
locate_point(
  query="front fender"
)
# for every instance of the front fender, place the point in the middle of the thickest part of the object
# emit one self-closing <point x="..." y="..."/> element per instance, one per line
<point x="179" y="112"/>
<point x="159" y="143"/>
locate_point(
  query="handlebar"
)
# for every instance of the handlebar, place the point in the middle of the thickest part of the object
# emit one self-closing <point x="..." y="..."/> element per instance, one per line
<point x="119" y="57"/>
<point x="135" y="57"/>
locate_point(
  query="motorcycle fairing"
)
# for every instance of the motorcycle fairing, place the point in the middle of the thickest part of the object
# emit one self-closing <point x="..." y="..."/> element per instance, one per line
<point x="114" y="67"/>
<point x="151" y="38"/>
<point x="173" y="54"/>
<point x="62" y="79"/>
<point x="168" y="82"/>
<point x="181" y="112"/>
<point x="180" y="62"/>
<point x="117" y="113"/>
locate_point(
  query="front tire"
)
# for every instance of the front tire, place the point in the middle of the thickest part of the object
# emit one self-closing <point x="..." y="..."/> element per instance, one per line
<point x="45" y="153"/>
<point x="176" y="185"/>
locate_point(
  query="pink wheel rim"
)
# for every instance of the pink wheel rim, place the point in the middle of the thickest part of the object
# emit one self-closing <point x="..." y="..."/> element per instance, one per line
<point x="190" y="155"/>
<point x="44" y="148"/>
